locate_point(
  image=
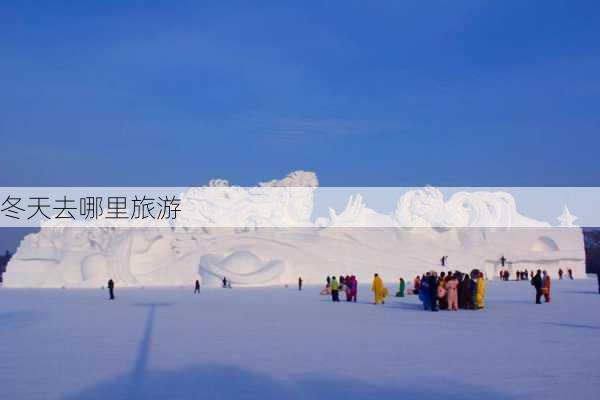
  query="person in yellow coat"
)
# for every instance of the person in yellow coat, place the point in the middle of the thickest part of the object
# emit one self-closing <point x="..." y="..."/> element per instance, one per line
<point x="379" y="291"/>
<point x="480" y="294"/>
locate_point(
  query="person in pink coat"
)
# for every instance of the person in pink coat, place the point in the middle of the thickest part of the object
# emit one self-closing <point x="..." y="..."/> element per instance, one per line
<point x="451" y="292"/>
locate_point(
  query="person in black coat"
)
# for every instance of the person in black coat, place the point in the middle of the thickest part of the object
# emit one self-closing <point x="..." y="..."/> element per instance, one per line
<point x="111" y="289"/>
<point x="433" y="285"/>
<point x="299" y="283"/>
<point x="197" y="289"/>
<point x="464" y="300"/>
<point x="537" y="282"/>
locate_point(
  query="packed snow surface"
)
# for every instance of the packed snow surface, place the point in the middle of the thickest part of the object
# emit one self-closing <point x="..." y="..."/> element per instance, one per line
<point x="279" y="343"/>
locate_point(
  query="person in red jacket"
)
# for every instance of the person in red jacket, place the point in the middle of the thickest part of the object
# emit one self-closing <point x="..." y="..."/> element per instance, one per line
<point x="546" y="286"/>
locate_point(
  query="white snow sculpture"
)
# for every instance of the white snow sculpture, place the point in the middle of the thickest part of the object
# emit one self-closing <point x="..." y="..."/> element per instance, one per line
<point x="474" y="229"/>
<point x="240" y="268"/>
<point x="566" y="219"/>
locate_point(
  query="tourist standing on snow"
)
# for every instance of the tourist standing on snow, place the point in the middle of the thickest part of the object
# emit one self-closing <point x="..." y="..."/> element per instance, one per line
<point x="570" y="271"/>
<point x="379" y="290"/>
<point x="197" y="289"/>
<point x="560" y="273"/>
<point x="451" y="287"/>
<point x="334" y="285"/>
<point x="474" y="276"/>
<point x="417" y="285"/>
<point x="537" y="283"/>
<point x="328" y="282"/>
<point x="424" y="292"/>
<point x="480" y="297"/>
<point x="111" y="289"/>
<point x="354" y="288"/>
<point x="299" y="283"/>
<point x="464" y="300"/>
<point x="432" y="282"/>
<point x="401" y="287"/>
<point x="546" y="286"/>
<point x="224" y="282"/>
<point x="441" y="291"/>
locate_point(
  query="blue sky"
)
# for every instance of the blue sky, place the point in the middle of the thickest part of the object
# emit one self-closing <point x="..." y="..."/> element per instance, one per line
<point x="395" y="93"/>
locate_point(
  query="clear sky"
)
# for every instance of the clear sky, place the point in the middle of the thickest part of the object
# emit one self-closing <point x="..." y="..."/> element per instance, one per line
<point x="385" y="93"/>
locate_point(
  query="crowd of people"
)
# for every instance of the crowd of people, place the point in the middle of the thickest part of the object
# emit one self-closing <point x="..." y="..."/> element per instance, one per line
<point x="448" y="291"/>
<point x="347" y="284"/>
<point x="451" y="291"/>
<point x="525" y="274"/>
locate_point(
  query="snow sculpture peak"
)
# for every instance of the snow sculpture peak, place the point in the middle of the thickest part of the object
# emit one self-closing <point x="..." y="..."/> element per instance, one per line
<point x="218" y="183"/>
<point x="566" y="219"/>
<point x="294" y="179"/>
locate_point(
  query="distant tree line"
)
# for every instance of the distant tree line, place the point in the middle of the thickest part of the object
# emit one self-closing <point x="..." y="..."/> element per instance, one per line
<point x="592" y="250"/>
<point x="4" y="262"/>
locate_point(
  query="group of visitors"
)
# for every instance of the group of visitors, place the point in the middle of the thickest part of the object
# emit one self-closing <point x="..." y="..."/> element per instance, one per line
<point x="525" y="274"/>
<point x="451" y="291"/>
<point x="541" y="282"/>
<point x="569" y="273"/>
<point x="347" y="284"/>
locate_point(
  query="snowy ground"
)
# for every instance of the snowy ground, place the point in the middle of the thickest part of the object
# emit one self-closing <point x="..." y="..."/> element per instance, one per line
<point x="280" y="343"/>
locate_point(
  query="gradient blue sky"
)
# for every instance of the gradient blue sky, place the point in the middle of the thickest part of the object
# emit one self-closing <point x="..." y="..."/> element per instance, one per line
<point x="386" y="93"/>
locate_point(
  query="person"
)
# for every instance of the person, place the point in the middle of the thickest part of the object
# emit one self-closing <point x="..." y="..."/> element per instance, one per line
<point x="464" y="300"/>
<point x="451" y="287"/>
<point x="401" y="287"/>
<point x="424" y="292"/>
<point x="299" y="283"/>
<point x="560" y="273"/>
<point x="346" y="287"/>
<point x="480" y="296"/>
<point x="518" y="275"/>
<point x="353" y="288"/>
<point x="503" y="260"/>
<point x="224" y="282"/>
<point x="197" y="289"/>
<point x="570" y="271"/>
<point x="111" y="289"/>
<point x="433" y="292"/>
<point x="334" y="289"/>
<point x="546" y="286"/>
<point x="416" y="285"/>
<point x="328" y="282"/>
<point x="379" y="290"/>
<point x="537" y="283"/>
<point x="441" y="291"/>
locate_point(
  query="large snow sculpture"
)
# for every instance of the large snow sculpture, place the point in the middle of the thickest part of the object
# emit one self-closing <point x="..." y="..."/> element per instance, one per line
<point x="240" y="233"/>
